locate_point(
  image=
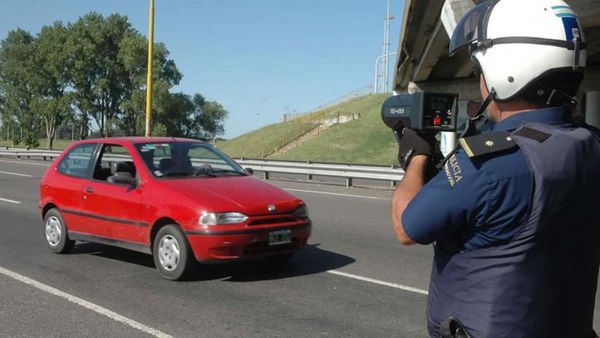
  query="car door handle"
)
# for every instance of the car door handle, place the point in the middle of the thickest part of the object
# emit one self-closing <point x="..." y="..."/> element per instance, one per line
<point x="89" y="190"/>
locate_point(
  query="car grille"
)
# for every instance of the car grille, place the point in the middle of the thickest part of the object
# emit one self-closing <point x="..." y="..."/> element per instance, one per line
<point x="272" y="220"/>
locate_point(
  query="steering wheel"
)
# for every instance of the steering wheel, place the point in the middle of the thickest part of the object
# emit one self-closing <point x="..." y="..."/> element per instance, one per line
<point x="205" y="168"/>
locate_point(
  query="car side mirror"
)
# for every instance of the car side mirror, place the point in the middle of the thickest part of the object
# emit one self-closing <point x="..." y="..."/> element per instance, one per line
<point x="121" y="178"/>
<point x="249" y="171"/>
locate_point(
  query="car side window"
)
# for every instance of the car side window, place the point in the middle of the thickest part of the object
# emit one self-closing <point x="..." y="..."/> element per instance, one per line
<point x="77" y="161"/>
<point x="114" y="163"/>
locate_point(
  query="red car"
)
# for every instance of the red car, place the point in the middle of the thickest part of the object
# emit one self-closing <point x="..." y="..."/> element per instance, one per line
<point x="179" y="200"/>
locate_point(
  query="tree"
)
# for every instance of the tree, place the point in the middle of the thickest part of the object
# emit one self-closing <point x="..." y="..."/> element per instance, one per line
<point x="213" y="117"/>
<point x="52" y="78"/>
<point x="97" y="74"/>
<point x="133" y="54"/>
<point x="109" y="71"/>
<point x="175" y="112"/>
<point x="195" y="117"/>
<point x="17" y="79"/>
<point x="85" y="67"/>
<point x="94" y="70"/>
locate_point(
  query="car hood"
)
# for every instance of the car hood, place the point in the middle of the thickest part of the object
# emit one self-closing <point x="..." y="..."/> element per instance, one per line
<point x="245" y="194"/>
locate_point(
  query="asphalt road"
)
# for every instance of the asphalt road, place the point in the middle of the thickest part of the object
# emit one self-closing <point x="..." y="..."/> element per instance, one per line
<point x="354" y="279"/>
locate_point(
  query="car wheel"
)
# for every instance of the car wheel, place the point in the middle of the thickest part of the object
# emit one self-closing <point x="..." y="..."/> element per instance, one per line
<point x="55" y="229"/>
<point x="172" y="254"/>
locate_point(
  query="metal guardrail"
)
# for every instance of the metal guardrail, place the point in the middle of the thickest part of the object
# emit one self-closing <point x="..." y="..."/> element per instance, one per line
<point x="309" y="169"/>
<point x="28" y="154"/>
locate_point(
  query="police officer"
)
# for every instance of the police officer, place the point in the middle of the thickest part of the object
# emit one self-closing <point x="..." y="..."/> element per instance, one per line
<point x="513" y="214"/>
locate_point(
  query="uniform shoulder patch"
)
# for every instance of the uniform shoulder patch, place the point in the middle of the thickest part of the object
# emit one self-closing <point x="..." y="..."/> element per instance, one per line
<point x="453" y="170"/>
<point x="485" y="144"/>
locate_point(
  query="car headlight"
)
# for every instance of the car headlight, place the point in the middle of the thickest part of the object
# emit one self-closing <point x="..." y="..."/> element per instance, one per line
<point x="214" y="218"/>
<point x="301" y="212"/>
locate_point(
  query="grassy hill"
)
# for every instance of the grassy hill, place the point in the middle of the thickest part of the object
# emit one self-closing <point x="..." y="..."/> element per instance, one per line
<point x="365" y="140"/>
<point x="262" y="142"/>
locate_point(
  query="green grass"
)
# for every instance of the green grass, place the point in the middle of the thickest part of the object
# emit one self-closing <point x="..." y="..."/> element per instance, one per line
<point x="57" y="145"/>
<point x="363" y="141"/>
<point x="262" y="142"/>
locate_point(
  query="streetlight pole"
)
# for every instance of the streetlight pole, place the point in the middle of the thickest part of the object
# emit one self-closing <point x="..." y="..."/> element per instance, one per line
<point x="377" y="62"/>
<point x="149" y="78"/>
<point x="388" y="20"/>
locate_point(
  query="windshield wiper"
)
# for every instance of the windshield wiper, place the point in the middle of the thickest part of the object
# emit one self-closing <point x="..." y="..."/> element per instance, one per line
<point x="227" y="171"/>
<point x="204" y="173"/>
<point x="177" y="173"/>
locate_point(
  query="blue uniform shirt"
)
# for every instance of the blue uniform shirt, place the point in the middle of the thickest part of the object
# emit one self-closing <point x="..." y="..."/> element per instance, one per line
<point x="479" y="202"/>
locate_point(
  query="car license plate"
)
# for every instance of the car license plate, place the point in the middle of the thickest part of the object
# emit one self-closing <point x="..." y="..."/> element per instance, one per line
<point x="280" y="237"/>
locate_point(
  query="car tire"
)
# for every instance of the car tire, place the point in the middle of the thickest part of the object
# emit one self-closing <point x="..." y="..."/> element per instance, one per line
<point x="57" y="236"/>
<point x="172" y="254"/>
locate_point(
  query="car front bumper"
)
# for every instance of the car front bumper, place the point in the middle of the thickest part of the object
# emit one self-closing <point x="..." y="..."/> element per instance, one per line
<point x="229" y="244"/>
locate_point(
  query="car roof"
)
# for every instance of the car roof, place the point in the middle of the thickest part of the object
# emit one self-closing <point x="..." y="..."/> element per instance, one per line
<point x="139" y="139"/>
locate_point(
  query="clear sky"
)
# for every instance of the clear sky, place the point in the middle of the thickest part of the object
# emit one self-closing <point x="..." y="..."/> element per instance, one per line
<point x="259" y="58"/>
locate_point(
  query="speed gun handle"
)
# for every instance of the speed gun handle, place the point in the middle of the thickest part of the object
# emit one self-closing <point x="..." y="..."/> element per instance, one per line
<point x="397" y="135"/>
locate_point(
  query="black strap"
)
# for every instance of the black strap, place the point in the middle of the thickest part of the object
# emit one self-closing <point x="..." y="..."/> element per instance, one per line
<point x="533" y="134"/>
<point x="571" y="45"/>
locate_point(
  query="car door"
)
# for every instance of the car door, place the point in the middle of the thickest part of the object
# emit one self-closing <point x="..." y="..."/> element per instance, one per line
<point x="66" y="189"/>
<point x="115" y="206"/>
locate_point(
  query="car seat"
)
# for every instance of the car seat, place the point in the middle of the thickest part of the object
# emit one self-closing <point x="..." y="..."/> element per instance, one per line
<point x="126" y="167"/>
<point x="165" y="164"/>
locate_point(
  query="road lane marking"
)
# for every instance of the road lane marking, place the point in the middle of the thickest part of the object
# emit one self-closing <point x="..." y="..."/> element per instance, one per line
<point x="379" y="282"/>
<point x="26" y="163"/>
<point x="15" y="174"/>
<point x="337" y="194"/>
<point x="84" y="303"/>
<point x="9" y="201"/>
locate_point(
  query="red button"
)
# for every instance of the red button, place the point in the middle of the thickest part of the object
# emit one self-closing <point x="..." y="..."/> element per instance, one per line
<point x="437" y="121"/>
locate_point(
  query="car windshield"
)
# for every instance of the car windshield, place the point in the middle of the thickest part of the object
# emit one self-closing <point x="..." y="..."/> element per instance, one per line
<point x="187" y="159"/>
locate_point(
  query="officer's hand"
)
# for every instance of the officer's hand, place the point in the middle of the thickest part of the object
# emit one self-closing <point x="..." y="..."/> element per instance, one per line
<point x="413" y="143"/>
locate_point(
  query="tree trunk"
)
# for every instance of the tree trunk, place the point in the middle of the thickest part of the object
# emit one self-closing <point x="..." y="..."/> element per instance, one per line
<point x="49" y="142"/>
<point x="83" y="128"/>
<point x="132" y="124"/>
<point x="50" y="131"/>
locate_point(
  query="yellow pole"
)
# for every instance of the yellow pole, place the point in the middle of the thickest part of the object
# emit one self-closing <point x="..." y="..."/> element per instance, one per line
<point x="149" y="79"/>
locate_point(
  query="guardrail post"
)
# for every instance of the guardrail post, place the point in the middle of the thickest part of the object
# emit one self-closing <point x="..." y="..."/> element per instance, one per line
<point x="348" y="181"/>
<point x="309" y="177"/>
<point x="265" y="175"/>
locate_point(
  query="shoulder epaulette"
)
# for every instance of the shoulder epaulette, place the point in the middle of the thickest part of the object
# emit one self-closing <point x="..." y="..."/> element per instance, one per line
<point x="489" y="143"/>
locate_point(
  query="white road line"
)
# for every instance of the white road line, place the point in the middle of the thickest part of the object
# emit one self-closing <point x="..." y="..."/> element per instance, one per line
<point x="9" y="201"/>
<point x="26" y="163"/>
<point x="84" y="303"/>
<point x="15" y="174"/>
<point x="379" y="282"/>
<point x="337" y="194"/>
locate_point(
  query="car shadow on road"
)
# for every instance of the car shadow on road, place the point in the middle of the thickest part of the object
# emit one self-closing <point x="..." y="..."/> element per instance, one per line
<point x="311" y="260"/>
<point x="115" y="253"/>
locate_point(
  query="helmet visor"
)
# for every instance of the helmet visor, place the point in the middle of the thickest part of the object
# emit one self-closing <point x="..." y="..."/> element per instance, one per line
<point x="470" y="27"/>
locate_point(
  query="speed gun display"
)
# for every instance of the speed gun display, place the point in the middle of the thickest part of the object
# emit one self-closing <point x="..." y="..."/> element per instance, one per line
<point x="421" y="111"/>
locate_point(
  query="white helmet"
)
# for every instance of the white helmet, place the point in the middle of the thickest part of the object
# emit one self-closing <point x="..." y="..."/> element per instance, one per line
<point x="530" y="48"/>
